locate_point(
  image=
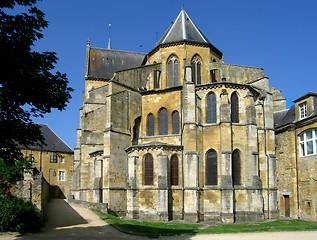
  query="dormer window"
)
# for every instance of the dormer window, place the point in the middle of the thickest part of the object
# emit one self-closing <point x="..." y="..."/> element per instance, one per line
<point x="303" y="110"/>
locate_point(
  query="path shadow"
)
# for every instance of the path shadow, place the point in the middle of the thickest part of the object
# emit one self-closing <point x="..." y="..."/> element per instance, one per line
<point x="60" y="214"/>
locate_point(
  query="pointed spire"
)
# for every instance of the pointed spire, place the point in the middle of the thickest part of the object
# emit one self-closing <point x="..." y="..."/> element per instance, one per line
<point x="109" y="37"/>
<point x="183" y="29"/>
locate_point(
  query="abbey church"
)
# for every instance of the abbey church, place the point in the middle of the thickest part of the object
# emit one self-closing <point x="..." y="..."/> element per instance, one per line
<point x="177" y="133"/>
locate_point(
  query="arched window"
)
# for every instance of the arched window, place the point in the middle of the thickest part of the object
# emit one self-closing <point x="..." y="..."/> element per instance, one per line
<point x="308" y="142"/>
<point x="157" y="79"/>
<point x="196" y="70"/>
<point x="236" y="167"/>
<point x="211" y="168"/>
<point x="163" y="121"/>
<point x="173" y="71"/>
<point x="148" y="169"/>
<point x="211" y="111"/>
<point x="150" y="124"/>
<point x="175" y="121"/>
<point x="234" y="108"/>
<point x="174" y="170"/>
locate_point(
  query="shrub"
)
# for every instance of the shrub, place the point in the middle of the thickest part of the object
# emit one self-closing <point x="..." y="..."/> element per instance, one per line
<point x="18" y="215"/>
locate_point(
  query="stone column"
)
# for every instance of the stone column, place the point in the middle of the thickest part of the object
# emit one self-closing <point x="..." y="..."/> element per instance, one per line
<point x="162" y="186"/>
<point x="225" y="161"/>
<point x="132" y="193"/>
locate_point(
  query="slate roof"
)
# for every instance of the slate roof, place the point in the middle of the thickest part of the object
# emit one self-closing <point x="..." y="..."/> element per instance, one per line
<point x="103" y="63"/>
<point x="282" y="118"/>
<point x="53" y="142"/>
<point x="183" y="29"/>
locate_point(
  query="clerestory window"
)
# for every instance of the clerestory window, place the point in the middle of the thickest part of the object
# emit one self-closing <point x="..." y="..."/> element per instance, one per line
<point x="173" y="71"/>
<point x="196" y="70"/>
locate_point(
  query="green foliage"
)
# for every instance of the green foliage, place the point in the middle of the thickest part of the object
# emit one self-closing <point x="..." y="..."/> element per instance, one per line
<point x="28" y="86"/>
<point x="13" y="172"/>
<point x="18" y="215"/>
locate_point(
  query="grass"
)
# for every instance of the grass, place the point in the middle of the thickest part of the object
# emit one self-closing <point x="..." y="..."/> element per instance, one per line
<point x="169" y="229"/>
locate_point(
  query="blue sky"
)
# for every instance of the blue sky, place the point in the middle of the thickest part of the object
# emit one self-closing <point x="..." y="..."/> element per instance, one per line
<point x="279" y="36"/>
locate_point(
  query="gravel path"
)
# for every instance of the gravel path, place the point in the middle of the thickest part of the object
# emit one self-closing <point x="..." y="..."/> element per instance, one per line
<point x="67" y="221"/>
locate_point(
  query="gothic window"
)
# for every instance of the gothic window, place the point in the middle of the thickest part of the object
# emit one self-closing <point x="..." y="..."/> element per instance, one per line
<point x="148" y="169"/>
<point x="211" y="113"/>
<point x="308" y="142"/>
<point x="236" y="167"/>
<point x="196" y="70"/>
<point x="234" y="108"/>
<point x="211" y="165"/>
<point x="157" y="78"/>
<point x="150" y="124"/>
<point x="163" y="121"/>
<point x="175" y="120"/>
<point x="174" y="170"/>
<point x="173" y="71"/>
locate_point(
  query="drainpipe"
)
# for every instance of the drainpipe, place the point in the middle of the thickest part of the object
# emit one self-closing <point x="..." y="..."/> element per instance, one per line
<point x="297" y="170"/>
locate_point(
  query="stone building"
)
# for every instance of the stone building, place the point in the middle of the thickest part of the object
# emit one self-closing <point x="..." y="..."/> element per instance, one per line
<point x="296" y="144"/>
<point x="55" y="161"/>
<point x="177" y="133"/>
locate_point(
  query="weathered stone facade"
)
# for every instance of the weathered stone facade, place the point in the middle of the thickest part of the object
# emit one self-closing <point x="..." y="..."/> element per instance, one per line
<point x="296" y="143"/>
<point x="54" y="161"/>
<point x="177" y="133"/>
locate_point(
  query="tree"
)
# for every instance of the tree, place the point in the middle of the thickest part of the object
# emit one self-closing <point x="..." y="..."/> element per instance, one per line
<point x="28" y="86"/>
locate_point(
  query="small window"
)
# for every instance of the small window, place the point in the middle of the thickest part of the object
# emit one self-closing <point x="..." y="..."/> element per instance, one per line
<point x="148" y="169"/>
<point x="303" y="110"/>
<point x="150" y="124"/>
<point x="214" y="75"/>
<point x="61" y="176"/>
<point x="308" y="142"/>
<point x="62" y="159"/>
<point x="175" y="119"/>
<point x="157" y="77"/>
<point x="174" y="170"/>
<point x="53" y="158"/>
<point x="163" y="121"/>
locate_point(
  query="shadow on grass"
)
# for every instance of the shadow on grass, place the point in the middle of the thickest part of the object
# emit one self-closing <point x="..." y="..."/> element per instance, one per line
<point x="153" y="232"/>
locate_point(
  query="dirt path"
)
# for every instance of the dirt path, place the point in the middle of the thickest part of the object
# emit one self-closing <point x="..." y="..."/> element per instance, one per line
<point x="69" y="222"/>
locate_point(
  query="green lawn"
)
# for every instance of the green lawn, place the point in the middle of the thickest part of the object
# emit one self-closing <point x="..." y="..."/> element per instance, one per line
<point x="168" y="228"/>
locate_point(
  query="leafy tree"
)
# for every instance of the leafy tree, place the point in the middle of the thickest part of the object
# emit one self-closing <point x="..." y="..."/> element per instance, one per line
<point x="28" y="86"/>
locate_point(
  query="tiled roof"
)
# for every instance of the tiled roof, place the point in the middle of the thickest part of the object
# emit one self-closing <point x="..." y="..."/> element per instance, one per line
<point x="53" y="142"/>
<point x="103" y="63"/>
<point x="183" y="29"/>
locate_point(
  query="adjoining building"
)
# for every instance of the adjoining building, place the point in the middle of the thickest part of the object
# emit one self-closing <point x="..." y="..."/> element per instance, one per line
<point x="296" y="149"/>
<point x="54" y="160"/>
<point x="177" y="133"/>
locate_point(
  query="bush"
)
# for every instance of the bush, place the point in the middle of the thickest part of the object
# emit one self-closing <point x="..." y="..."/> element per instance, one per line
<point x="18" y="215"/>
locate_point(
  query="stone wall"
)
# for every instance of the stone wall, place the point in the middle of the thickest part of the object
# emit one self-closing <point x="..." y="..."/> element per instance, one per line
<point x="33" y="188"/>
